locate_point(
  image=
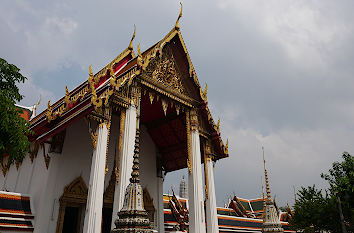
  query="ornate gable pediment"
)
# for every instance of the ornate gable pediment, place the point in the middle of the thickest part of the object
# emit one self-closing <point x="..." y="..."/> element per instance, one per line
<point x="75" y="190"/>
<point x="164" y="70"/>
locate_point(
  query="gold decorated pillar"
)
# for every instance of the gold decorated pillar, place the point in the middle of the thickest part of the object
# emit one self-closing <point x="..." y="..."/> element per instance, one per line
<point x="195" y="181"/>
<point x="210" y="204"/>
<point x="93" y="213"/>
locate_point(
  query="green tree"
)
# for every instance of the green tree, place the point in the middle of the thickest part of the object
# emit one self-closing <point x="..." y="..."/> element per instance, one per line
<point x="311" y="210"/>
<point x="341" y="181"/>
<point x="13" y="128"/>
<point x="318" y="211"/>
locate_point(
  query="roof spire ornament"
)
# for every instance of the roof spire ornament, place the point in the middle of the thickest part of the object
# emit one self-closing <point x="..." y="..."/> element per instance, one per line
<point x="179" y="16"/>
<point x="271" y="221"/>
<point x="218" y="125"/>
<point x="139" y="60"/>
<point x="90" y="70"/>
<point x="130" y="47"/>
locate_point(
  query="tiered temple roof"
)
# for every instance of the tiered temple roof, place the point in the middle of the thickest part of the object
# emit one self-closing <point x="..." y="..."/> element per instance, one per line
<point x="176" y="92"/>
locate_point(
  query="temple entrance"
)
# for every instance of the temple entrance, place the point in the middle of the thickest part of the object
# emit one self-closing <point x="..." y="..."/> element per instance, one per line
<point x="106" y="219"/>
<point x="72" y="219"/>
<point x="73" y="204"/>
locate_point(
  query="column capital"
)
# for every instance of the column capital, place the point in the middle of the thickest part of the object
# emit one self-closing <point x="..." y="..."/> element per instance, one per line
<point x="135" y="95"/>
<point x="193" y="119"/>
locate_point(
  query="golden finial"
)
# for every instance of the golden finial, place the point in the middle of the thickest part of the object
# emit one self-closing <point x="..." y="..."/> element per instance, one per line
<point x="227" y="143"/>
<point x="35" y="105"/>
<point x="205" y="92"/>
<point x="218" y="125"/>
<point x="67" y="95"/>
<point x="130" y="47"/>
<point x="39" y="101"/>
<point x="49" y="112"/>
<point x="140" y="57"/>
<point x="139" y="53"/>
<point x="90" y="69"/>
<point x="90" y="79"/>
<point x="179" y="16"/>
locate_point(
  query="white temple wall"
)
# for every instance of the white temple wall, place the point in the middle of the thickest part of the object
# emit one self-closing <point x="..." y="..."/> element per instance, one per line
<point x="24" y="177"/>
<point x="38" y="176"/>
<point x="74" y="161"/>
<point x="45" y="215"/>
<point x="148" y="172"/>
<point x="10" y="179"/>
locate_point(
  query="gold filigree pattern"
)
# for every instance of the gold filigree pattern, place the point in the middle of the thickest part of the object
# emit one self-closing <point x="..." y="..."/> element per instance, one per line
<point x="94" y="139"/>
<point x="47" y="161"/>
<point x="165" y="71"/>
<point x="120" y="143"/>
<point x="206" y="170"/>
<point x="164" y="106"/>
<point x="33" y="151"/>
<point x="189" y="142"/>
<point x="194" y="120"/>
<point x="203" y="94"/>
<point x="74" y="194"/>
<point x="151" y="96"/>
<point x="108" y="113"/>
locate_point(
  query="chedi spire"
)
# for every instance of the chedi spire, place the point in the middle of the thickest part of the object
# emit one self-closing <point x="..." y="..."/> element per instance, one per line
<point x="271" y="222"/>
<point x="133" y="218"/>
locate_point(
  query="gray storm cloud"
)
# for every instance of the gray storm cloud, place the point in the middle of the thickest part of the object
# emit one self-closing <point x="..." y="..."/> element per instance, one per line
<point x="279" y="73"/>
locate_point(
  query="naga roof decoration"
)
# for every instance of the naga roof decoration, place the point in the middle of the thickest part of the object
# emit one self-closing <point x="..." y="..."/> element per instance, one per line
<point x="116" y="77"/>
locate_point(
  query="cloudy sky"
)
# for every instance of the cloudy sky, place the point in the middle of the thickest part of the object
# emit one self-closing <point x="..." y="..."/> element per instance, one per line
<point x="279" y="73"/>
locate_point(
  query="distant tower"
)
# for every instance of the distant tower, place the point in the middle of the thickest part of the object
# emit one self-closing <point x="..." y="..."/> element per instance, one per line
<point x="271" y="222"/>
<point x="183" y="190"/>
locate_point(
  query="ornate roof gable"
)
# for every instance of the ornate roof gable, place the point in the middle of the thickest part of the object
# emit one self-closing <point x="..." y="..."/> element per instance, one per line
<point x="164" y="70"/>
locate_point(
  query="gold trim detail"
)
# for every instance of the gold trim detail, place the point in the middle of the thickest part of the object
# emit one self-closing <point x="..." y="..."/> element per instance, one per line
<point x="164" y="106"/>
<point x="204" y="93"/>
<point x="108" y="196"/>
<point x="46" y="157"/>
<point x="206" y="171"/>
<point x="151" y="96"/>
<point x="207" y="159"/>
<point x="226" y="148"/>
<point x="189" y="143"/>
<point x="108" y="113"/>
<point x="120" y="143"/>
<point x="33" y="151"/>
<point x="130" y="47"/>
<point x="179" y="16"/>
<point x="193" y="119"/>
<point x="94" y="136"/>
<point x="177" y="107"/>
<point x="74" y="194"/>
<point x="217" y="128"/>
<point x="164" y="70"/>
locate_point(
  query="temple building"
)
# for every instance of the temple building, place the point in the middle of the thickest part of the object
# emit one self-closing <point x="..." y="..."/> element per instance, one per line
<point x="80" y="163"/>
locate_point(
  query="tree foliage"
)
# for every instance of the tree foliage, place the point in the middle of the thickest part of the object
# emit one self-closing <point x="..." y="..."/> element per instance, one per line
<point x="341" y="181"/>
<point x="13" y="128"/>
<point x="318" y="211"/>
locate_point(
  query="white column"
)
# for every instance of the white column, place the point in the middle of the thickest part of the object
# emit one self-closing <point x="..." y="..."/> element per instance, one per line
<point x="126" y="161"/>
<point x="211" y="214"/>
<point x="160" y="213"/>
<point x="195" y="189"/>
<point x="93" y="214"/>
